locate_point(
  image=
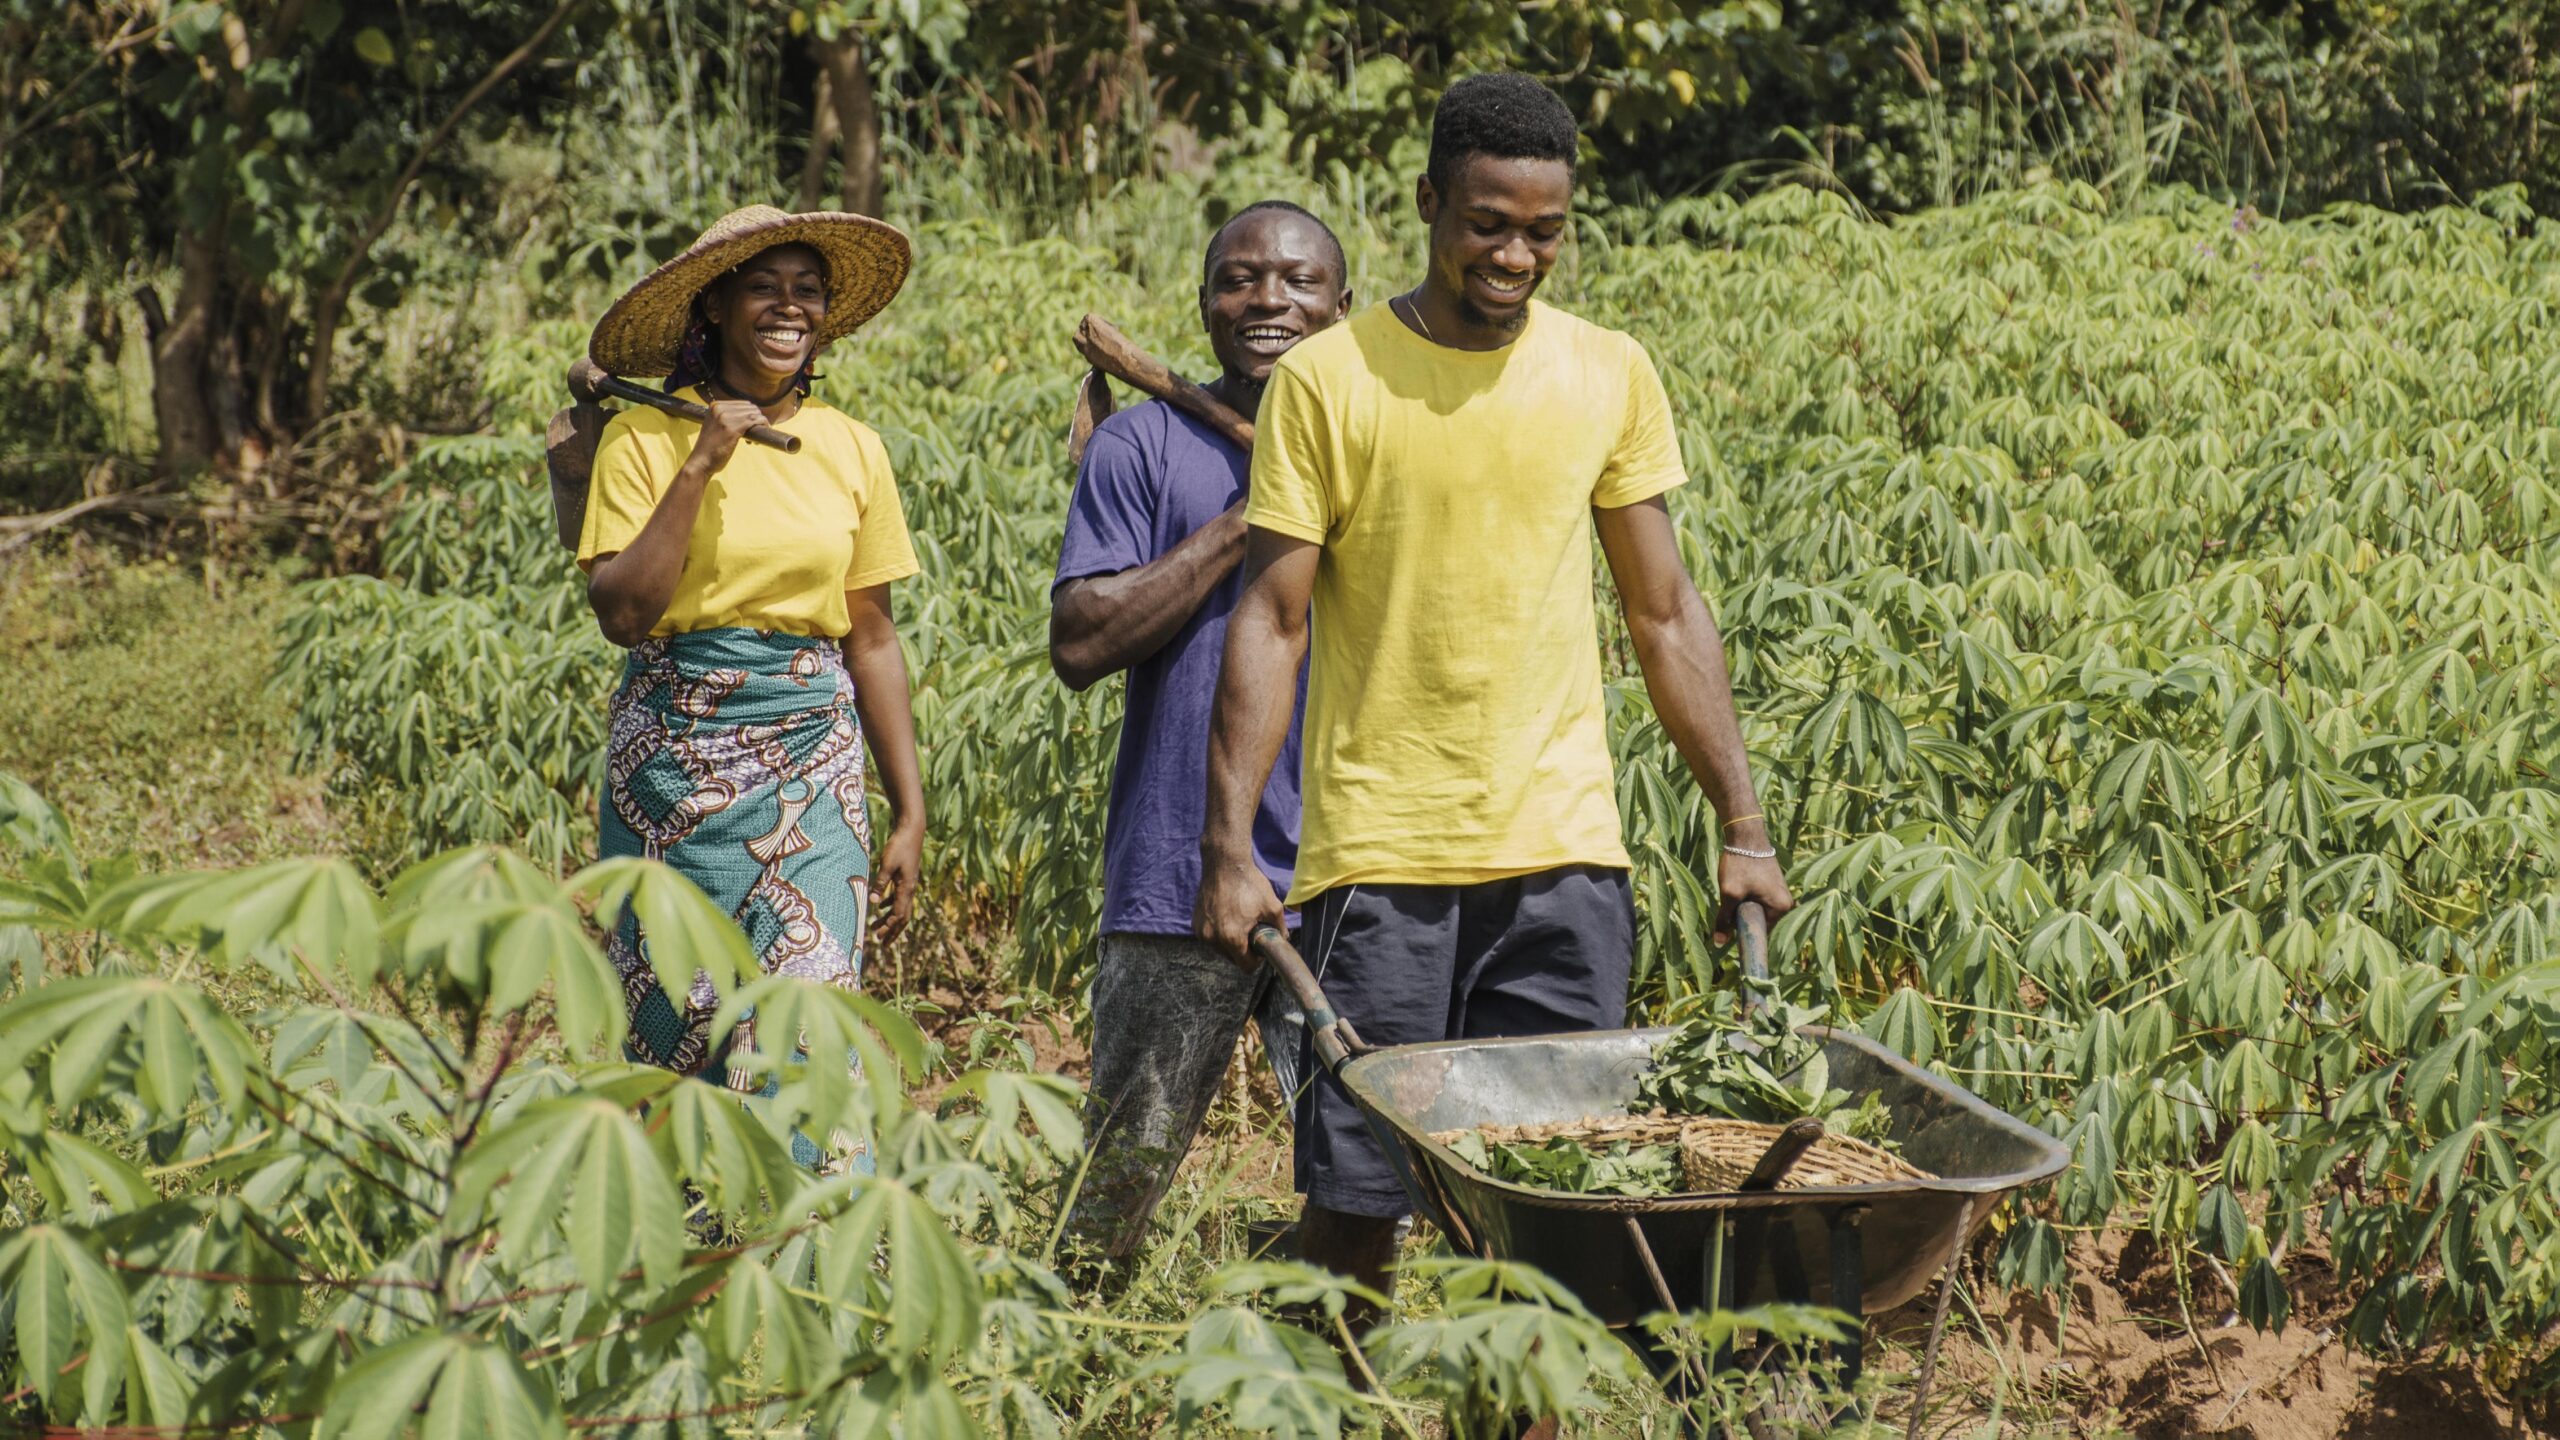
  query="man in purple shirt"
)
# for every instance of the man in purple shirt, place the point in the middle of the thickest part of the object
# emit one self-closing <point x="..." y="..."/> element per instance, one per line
<point x="1146" y="576"/>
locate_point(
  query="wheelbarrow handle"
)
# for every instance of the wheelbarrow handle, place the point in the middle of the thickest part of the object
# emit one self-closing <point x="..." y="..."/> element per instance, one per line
<point x="1335" y="1041"/>
<point x="1754" y="935"/>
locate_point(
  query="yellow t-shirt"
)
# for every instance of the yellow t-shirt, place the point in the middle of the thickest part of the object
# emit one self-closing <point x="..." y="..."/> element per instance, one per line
<point x="779" y="539"/>
<point x="1454" y="731"/>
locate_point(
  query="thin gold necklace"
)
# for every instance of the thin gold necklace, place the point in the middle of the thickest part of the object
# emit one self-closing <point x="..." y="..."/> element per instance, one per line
<point x="1413" y="308"/>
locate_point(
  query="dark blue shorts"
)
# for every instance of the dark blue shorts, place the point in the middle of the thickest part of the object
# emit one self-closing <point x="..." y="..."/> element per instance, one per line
<point x="1531" y="955"/>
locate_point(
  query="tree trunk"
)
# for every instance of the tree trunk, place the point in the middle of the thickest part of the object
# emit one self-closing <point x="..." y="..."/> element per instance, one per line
<point x="822" y="138"/>
<point x="242" y="451"/>
<point x="857" y="120"/>
<point x="181" y="341"/>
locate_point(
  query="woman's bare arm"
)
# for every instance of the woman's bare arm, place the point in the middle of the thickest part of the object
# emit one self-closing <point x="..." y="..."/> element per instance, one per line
<point x="629" y="589"/>
<point x="879" y="669"/>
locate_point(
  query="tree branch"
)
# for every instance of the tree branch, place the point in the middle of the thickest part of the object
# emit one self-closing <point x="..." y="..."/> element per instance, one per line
<point x="332" y="302"/>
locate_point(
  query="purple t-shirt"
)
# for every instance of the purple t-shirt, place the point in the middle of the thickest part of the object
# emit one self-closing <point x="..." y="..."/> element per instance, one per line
<point x="1153" y="476"/>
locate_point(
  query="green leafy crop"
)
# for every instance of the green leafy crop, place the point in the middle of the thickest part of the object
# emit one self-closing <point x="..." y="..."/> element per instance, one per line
<point x="2144" y="623"/>
<point x="284" y="1155"/>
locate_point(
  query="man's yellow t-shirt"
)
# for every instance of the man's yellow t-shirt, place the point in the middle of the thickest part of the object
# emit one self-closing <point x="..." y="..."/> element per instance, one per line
<point x="779" y="539"/>
<point x="1454" y="731"/>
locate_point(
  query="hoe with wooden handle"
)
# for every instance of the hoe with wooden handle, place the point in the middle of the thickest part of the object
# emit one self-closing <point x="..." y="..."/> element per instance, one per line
<point x="1112" y="353"/>
<point x="569" y="445"/>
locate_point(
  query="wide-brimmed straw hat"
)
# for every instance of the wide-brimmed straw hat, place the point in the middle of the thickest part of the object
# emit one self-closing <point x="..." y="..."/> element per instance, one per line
<point x="866" y="263"/>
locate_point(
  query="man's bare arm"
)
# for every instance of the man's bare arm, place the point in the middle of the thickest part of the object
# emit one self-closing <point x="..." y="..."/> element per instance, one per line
<point x="1248" y="723"/>
<point x="1682" y="655"/>
<point x="1100" y="625"/>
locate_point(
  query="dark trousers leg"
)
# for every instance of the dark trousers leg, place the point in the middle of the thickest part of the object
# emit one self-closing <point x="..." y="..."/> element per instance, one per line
<point x="1167" y="1011"/>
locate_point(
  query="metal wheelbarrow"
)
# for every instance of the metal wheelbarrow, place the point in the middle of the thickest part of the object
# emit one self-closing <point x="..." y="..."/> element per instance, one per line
<point x="1861" y="1249"/>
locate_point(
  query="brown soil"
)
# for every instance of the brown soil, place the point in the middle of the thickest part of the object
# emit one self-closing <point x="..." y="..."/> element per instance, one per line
<point x="2118" y="1359"/>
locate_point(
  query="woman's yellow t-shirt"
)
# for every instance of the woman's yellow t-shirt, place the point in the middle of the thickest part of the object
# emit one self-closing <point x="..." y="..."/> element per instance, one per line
<point x="780" y="538"/>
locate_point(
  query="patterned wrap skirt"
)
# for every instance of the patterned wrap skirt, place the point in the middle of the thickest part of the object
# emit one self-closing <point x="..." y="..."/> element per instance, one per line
<point x="735" y="756"/>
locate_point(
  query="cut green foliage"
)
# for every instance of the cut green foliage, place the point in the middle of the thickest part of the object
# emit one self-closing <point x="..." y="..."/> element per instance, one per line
<point x="1755" y="1065"/>
<point x="1577" y="1167"/>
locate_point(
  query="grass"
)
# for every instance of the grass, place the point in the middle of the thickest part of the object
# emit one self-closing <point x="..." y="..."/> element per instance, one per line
<point x="143" y="710"/>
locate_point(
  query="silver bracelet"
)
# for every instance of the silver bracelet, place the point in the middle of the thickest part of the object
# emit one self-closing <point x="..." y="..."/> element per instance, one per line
<point x="1749" y="854"/>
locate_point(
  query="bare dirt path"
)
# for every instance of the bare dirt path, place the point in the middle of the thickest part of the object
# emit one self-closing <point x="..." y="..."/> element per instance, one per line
<point x="2118" y="1359"/>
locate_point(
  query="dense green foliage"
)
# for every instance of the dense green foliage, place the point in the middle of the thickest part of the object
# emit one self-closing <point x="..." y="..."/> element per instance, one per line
<point x="288" y="1156"/>
<point x="269" y="239"/>
<point x="2142" y="611"/>
<point x="2143" y="623"/>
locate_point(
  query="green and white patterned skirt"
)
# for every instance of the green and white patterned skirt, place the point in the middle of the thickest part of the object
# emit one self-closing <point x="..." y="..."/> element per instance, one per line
<point x="735" y="756"/>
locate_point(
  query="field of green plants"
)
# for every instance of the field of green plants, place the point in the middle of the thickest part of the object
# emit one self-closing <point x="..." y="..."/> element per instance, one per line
<point x="2145" y="618"/>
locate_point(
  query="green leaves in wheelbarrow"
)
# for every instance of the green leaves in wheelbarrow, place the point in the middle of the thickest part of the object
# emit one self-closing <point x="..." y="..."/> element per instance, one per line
<point x="1575" y="1166"/>
<point x="1755" y="1066"/>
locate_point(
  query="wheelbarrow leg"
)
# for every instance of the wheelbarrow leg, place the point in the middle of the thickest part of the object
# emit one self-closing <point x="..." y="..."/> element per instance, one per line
<point x="1848" y="1286"/>
<point x="1680" y="1377"/>
<point x="1938" y="1321"/>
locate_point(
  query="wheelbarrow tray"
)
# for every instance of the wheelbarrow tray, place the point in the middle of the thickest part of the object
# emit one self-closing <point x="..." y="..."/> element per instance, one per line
<point x="1789" y="1244"/>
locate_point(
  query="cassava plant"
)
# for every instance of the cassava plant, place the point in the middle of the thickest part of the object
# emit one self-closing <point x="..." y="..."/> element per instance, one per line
<point x="287" y="1156"/>
<point x="2143" y="619"/>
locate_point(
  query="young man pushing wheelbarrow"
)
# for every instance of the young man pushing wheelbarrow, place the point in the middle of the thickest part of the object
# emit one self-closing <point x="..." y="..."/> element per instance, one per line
<point x="1429" y="475"/>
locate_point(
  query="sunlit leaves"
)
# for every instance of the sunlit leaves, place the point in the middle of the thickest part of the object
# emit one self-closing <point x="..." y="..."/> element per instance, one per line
<point x="731" y="1155"/>
<point x="927" y="1294"/>
<point x="683" y="932"/>
<point x="1905" y="1025"/>
<point x="73" y="1030"/>
<point x="1008" y="1098"/>
<point x="2221" y="1223"/>
<point x="488" y="924"/>
<point x="842" y="1057"/>
<point x="318" y="911"/>
<point x="1508" y="1341"/>
<point x="757" y="1315"/>
<point x="62" y="1303"/>
<point x="1266" y="1376"/>
<point x="583" y="1163"/>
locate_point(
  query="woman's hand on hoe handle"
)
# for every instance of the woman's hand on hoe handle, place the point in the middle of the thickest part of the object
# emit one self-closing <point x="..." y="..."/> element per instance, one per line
<point x="630" y="589"/>
<point x="730" y="421"/>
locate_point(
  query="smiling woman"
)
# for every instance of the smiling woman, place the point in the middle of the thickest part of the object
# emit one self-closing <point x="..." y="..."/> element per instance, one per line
<point x="751" y="587"/>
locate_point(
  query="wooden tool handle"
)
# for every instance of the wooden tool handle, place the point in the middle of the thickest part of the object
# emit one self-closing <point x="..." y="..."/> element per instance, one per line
<point x="1107" y="350"/>
<point x="1783" y="1153"/>
<point x="1753" y="923"/>
<point x="588" y="383"/>
<point x="621" y="389"/>
<point x="1335" y="1041"/>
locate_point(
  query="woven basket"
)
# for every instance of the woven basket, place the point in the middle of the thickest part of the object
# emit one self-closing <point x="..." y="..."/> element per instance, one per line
<point x="1717" y="1155"/>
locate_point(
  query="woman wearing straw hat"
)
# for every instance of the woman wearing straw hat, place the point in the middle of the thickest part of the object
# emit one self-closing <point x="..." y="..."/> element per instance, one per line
<point x="752" y="589"/>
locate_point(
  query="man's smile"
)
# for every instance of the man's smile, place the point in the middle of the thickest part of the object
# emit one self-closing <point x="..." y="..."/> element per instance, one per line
<point x="1266" y="338"/>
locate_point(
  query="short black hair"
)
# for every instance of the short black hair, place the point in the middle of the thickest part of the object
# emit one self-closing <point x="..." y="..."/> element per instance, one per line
<point x="1333" y="242"/>
<point x="1503" y="114"/>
